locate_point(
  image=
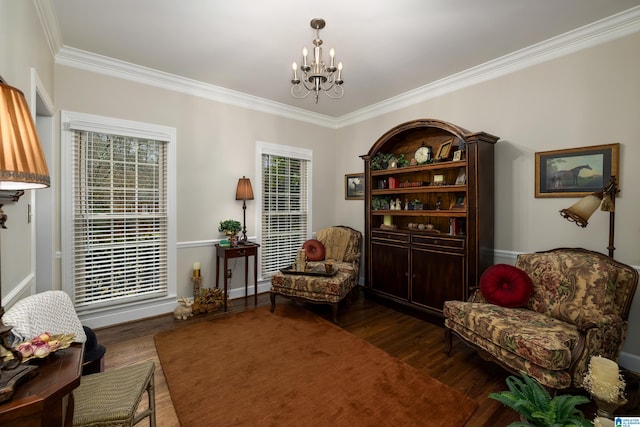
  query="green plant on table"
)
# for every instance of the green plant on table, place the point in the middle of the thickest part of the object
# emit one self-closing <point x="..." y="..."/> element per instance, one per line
<point x="230" y="227"/>
<point x="534" y="403"/>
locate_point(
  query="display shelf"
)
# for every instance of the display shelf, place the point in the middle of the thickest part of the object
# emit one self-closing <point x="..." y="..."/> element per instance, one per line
<point x="405" y="262"/>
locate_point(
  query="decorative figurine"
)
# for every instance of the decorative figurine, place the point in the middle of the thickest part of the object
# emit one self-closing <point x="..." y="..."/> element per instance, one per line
<point x="184" y="310"/>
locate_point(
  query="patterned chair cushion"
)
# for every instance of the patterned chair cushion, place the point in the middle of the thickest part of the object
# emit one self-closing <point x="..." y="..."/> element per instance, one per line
<point x="316" y="288"/>
<point x="50" y="311"/>
<point x="551" y="378"/>
<point x="517" y="330"/>
<point x="570" y="286"/>
<point x="506" y="285"/>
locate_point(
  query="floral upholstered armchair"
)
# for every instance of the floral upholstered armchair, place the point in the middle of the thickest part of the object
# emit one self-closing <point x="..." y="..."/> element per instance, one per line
<point x="576" y="306"/>
<point x="339" y="245"/>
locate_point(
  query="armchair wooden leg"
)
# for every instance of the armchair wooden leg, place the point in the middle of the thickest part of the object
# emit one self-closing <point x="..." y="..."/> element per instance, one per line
<point x="334" y="309"/>
<point x="448" y="341"/>
<point x="272" y="296"/>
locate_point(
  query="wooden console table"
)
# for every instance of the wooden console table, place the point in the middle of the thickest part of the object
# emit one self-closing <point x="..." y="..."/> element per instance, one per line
<point x="246" y="250"/>
<point x="40" y="401"/>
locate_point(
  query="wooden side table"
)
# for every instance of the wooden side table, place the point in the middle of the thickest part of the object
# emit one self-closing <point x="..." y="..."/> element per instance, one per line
<point x="227" y="253"/>
<point x="40" y="401"/>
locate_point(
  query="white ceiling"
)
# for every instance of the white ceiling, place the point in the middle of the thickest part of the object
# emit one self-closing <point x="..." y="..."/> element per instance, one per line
<point x="388" y="47"/>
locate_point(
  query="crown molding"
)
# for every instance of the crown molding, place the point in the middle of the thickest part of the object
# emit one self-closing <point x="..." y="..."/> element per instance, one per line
<point x="89" y="61"/>
<point x="49" y="23"/>
<point x="611" y="28"/>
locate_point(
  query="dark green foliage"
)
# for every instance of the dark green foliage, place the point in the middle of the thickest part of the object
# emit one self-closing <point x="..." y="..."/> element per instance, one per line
<point x="230" y="227"/>
<point x="531" y="400"/>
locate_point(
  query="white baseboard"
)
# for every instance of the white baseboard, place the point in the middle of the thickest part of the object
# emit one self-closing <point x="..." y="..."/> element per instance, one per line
<point x="110" y="317"/>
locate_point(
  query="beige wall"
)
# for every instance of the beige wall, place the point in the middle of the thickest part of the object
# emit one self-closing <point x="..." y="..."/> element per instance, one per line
<point x="591" y="97"/>
<point x="587" y="98"/>
<point x="22" y="47"/>
<point x="215" y="145"/>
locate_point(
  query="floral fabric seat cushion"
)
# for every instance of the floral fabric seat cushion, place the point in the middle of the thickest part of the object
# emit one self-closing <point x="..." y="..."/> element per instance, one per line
<point x="517" y="331"/>
<point x="317" y="288"/>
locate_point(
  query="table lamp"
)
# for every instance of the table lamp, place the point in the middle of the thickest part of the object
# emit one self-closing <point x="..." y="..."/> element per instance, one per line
<point x="22" y="167"/>
<point x="244" y="192"/>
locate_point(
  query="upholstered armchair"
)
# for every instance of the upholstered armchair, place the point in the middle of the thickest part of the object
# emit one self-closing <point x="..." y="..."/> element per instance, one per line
<point x="338" y="244"/>
<point x="576" y="306"/>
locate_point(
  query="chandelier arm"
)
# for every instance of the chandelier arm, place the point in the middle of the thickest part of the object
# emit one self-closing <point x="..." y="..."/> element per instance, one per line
<point x="338" y="90"/>
<point x="296" y="92"/>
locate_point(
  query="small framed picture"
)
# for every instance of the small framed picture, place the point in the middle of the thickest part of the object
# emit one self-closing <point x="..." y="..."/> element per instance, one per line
<point x="462" y="177"/>
<point x="444" y="150"/>
<point x="354" y="186"/>
<point x="457" y="155"/>
<point x="458" y="202"/>
<point x="438" y="179"/>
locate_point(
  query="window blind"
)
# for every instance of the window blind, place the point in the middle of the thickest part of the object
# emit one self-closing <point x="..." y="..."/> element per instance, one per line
<point x="120" y="218"/>
<point x="284" y="210"/>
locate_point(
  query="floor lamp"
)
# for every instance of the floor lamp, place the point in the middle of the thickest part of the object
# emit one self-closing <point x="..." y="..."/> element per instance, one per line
<point x="244" y="192"/>
<point x="22" y="167"/>
<point x="584" y="208"/>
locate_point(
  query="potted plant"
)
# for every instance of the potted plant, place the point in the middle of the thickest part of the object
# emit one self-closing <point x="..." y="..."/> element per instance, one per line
<point x="536" y="407"/>
<point x="230" y="228"/>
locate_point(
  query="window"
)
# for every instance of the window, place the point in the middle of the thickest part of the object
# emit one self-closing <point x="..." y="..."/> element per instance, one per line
<point x="285" y="204"/>
<point x="118" y="213"/>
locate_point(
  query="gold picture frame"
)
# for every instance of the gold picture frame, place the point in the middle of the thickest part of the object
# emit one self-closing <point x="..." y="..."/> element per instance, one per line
<point x="576" y="172"/>
<point x="444" y="150"/>
<point x="354" y="186"/>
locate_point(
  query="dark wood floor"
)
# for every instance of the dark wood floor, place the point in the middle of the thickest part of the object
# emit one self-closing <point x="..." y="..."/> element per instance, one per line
<point x="415" y="341"/>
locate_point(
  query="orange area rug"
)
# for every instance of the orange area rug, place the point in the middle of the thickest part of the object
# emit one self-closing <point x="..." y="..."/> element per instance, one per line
<point x="293" y="368"/>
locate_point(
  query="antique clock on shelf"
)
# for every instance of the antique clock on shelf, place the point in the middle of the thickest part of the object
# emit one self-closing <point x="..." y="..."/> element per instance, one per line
<point x="423" y="154"/>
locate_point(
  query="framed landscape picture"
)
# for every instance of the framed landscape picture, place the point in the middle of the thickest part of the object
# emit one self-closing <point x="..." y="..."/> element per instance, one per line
<point x="575" y="172"/>
<point x="354" y="186"/>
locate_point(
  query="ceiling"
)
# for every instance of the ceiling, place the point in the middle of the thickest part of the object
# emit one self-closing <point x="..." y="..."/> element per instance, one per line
<point x="388" y="47"/>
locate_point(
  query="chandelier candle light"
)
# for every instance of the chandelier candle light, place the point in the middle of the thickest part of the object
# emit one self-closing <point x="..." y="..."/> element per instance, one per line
<point x="317" y="77"/>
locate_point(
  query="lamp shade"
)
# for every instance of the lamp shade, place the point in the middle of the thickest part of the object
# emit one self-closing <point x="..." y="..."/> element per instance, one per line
<point x="244" y="190"/>
<point x="22" y="162"/>
<point x="581" y="211"/>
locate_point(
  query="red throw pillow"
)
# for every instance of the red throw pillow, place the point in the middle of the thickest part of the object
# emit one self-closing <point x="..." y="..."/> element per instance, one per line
<point x="506" y="285"/>
<point x="314" y="250"/>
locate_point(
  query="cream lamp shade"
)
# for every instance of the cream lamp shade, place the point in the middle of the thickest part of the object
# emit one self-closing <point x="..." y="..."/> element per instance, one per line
<point x="581" y="211"/>
<point x="22" y="162"/>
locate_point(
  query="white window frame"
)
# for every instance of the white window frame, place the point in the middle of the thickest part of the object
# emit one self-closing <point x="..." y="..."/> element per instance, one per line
<point x="126" y="311"/>
<point x="284" y="151"/>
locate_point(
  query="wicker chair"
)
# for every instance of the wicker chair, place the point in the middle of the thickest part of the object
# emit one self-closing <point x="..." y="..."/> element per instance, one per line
<point x="342" y="245"/>
<point x="111" y="398"/>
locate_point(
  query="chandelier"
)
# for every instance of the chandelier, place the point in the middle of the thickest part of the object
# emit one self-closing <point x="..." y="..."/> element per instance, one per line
<point x="317" y="77"/>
